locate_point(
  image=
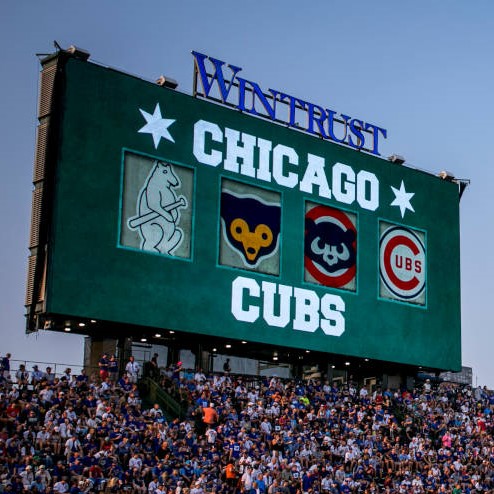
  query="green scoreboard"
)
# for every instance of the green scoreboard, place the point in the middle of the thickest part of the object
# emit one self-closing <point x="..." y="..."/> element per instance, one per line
<point x="171" y="211"/>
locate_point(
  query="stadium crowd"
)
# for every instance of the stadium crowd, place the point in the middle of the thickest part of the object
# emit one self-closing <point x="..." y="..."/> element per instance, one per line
<point x="240" y="434"/>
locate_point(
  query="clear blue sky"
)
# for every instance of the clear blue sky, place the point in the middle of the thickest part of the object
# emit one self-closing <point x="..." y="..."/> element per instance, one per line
<point x="423" y="70"/>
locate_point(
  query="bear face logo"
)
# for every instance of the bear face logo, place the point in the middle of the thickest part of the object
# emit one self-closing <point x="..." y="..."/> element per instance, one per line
<point x="330" y="246"/>
<point x="250" y="226"/>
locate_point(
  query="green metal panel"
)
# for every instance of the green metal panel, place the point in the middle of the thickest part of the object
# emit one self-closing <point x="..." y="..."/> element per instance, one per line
<point x="120" y="136"/>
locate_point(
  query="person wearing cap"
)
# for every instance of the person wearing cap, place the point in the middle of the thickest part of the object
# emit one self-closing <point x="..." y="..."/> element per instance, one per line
<point x="44" y="475"/>
<point x="175" y="372"/>
<point x="196" y="488"/>
<point x="36" y="375"/>
<point x="22" y="376"/>
<point x="37" y="485"/>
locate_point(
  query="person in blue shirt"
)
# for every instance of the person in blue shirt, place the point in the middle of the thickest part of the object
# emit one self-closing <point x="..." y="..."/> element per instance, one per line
<point x="38" y="486"/>
<point x="5" y="366"/>
<point x="306" y="482"/>
<point x="113" y="369"/>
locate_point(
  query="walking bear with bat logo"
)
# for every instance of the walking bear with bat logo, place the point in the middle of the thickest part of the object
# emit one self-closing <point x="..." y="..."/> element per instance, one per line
<point x="158" y="210"/>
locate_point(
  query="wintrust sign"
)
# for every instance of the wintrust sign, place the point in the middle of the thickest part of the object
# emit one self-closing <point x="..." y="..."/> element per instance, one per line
<point x="221" y="82"/>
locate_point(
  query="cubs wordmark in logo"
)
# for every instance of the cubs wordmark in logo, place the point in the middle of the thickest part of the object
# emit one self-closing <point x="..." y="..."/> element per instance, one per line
<point x="330" y="247"/>
<point x="251" y="226"/>
<point x="403" y="264"/>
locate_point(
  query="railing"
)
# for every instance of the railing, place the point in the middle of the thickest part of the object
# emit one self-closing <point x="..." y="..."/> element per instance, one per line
<point x="157" y="395"/>
<point x="57" y="368"/>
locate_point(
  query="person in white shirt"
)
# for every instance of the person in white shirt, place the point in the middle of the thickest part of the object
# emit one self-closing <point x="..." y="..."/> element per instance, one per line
<point x="199" y="376"/>
<point x="247" y="479"/>
<point x="132" y="368"/>
<point x="27" y="477"/>
<point x="37" y="375"/>
<point x="211" y="435"/>
<point x="153" y="412"/>
<point x="153" y="486"/>
<point x="61" y="486"/>
<point x="42" y="437"/>
<point x="135" y="462"/>
<point x="72" y="445"/>
<point x="46" y="395"/>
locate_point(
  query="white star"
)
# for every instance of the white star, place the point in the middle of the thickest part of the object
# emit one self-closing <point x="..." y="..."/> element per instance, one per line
<point x="402" y="199"/>
<point x="156" y="125"/>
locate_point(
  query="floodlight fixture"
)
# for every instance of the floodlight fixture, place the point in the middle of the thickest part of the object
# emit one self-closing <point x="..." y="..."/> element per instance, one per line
<point x="79" y="53"/>
<point x="396" y="159"/>
<point x="445" y="175"/>
<point x="168" y="82"/>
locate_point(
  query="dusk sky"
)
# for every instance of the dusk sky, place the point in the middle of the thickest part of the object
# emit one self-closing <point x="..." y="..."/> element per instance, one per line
<point x="422" y="70"/>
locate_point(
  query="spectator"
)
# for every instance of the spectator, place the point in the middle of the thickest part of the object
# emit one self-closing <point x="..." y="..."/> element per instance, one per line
<point x="82" y="379"/>
<point x="199" y="376"/>
<point x="155" y="369"/>
<point x="279" y="436"/>
<point x="72" y="446"/>
<point x="22" y="376"/>
<point x="27" y="477"/>
<point x="113" y="369"/>
<point x="5" y="366"/>
<point x="67" y="374"/>
<point x="36" y="375"/>
<point x="226" y="366"/>
<point x="231" y="475"/>
<point x="61" y="486"/>
<point x="49" y="376"/>
<point x="44" y="476"/>
<point x="103" y="367"/>
<point x="210" y="416"/>
<point x="175" y="371"/>
<point x="132" y="369"/>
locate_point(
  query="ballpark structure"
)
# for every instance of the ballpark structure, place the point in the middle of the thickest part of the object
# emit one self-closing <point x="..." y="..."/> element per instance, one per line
<point x="265" y="222"/>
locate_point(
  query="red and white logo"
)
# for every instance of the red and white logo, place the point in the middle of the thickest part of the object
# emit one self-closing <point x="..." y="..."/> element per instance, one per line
<point x="330" y="247"/>
<point x="402" y="262"/>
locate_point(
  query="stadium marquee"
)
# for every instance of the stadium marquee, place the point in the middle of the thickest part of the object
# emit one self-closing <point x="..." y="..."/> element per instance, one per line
<point x="165" y="210"/>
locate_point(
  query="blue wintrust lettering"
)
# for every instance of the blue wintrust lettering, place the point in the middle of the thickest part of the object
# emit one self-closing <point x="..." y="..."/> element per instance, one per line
<point x="221" y="82"/>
